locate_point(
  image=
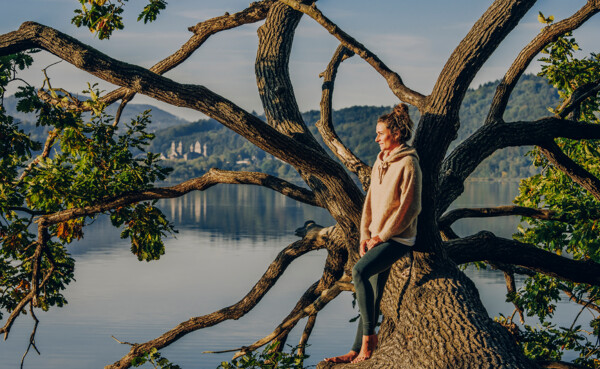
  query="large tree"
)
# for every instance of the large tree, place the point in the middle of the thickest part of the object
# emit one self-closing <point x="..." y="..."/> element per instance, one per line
<point x="433" y="316"/>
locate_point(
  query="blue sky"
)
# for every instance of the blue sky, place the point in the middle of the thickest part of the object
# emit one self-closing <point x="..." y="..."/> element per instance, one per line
<point x="413" y="37"/>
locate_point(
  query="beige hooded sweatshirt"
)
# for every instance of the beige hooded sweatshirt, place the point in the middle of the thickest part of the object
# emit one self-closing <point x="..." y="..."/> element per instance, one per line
<point x="393" y="201"/>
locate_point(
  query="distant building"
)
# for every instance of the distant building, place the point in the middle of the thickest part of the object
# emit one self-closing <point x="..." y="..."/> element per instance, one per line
<point x="173" y="151"/>
<point x="196" y="150"/>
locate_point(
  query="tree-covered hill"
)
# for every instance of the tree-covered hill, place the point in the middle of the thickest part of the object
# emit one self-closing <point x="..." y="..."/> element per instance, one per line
<point x="356" y="125"/>
<point x="209" y="144"/>
<point x="160" y="118"/>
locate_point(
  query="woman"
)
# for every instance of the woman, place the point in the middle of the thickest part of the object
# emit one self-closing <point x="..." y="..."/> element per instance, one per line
<point x="388" y="224"/>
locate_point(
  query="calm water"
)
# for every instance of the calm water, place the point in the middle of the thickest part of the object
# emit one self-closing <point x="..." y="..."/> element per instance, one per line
<point x="227" y="237"/>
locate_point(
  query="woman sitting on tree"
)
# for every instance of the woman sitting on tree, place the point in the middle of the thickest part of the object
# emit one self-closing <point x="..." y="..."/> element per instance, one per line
<point x="388" y="224"/>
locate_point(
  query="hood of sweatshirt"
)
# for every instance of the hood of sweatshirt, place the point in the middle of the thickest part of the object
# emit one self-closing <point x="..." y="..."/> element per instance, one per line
<point x="398" y="153"/>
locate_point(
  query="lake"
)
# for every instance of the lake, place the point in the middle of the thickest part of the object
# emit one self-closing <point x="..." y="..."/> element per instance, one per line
<point x="228" y="235"/>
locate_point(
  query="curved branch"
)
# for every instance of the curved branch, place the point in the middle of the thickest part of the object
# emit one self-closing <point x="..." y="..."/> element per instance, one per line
<point x="310" y="324"/>
<point x="449" y="218"/>
<point x="237" y="310"/>
<point x="257" y="11"/>
<point x="26" y="210"/>
<point x="511" y="288"/>
<point x="439" y="122"/>
<point x="486" y="246"/>
<point x="396" y="84"/>
<point x="576" y="172"/>
<point x="333" y="275"/>
<point x="31" y="297"/>
<point x="329" y="181"/>
<point x="497" y="135"/>
<point x="547" y="35"/>
<point x="32" y="35"/>
<point x="325" y="297"/>
<point x="579" y="301"/>
<point x="577" y="97"/>
<point x="474" y="50"/>
<point x="31" y="344"/>
<point x="325" y="124"/>
<point x="47" y="146"/>
<point x="211" y="178"/>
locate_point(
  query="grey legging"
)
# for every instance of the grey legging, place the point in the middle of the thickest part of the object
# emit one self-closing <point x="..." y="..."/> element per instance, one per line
<point x="369" y="275"/>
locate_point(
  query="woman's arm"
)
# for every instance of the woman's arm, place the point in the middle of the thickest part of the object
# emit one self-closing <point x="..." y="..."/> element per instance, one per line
<point x="409" y="185"/>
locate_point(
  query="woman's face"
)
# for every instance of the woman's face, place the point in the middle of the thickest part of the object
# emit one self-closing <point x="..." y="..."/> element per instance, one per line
<point x="387" y="142"/>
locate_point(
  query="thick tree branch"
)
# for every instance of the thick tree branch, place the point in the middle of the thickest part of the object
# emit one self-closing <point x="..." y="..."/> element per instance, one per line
<point x="257" y="11"/>
<point x="547" y="35"/>
<point x="211" y="178"/>
<point x="578" y="96"/>
<point x="439" y="122"/>
<point x="486" y="246"/>
<point x="497" y="135"/>
<point x="325" y="124"/>
<point x="452" y="216"/>
<point x="314" y="241"/>
<point x="333" y="270"/>
<point x="326" y="296"/>
<point x="577" y="173"/>
<point x="474" y="50"/>
<point x="275" y="38"/>
<point x="394" y="81"/>
<point x="32" y="35"/>
<point x="331" y="184"/>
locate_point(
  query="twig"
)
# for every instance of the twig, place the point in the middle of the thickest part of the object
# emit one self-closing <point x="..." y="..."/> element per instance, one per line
<point x="393" y="79"/>
<point x="449" y="218"/>
<point x="325" y="123"/>
<point x="32" y="337"/>
<point x="124" y="342"/>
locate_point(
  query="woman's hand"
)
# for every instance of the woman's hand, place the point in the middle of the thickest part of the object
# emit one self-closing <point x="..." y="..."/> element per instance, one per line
<point x="367" y="245"/>
<point x="362" y="250"/>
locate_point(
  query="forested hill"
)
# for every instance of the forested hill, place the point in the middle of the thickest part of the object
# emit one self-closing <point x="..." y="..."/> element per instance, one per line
<point x="193" y="148"/>
<point x="160" y="118"/>
<point x="208" y="144"/>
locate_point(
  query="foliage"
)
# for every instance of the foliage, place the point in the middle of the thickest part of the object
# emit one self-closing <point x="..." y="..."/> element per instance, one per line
<point x="155" y="359"/>
<point x="269" y="358"/>
<point x="103" y="17"/>
<point x="575" y="232"/>
<point x="89" y="162"/>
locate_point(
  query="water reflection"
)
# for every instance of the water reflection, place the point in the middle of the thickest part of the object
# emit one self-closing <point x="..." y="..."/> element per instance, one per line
<point x="241" y="211"/>
<point x="228" y="236"/>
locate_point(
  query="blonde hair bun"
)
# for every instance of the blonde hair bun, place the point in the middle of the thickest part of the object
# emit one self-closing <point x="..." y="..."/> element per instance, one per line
<point x="399" y="122"/>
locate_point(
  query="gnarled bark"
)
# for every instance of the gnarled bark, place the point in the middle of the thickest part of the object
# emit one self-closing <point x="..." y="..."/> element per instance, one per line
<point x="433" y="314"/>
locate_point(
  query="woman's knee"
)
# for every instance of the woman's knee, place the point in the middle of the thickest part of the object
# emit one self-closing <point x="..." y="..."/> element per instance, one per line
<point x="358" y="273"/>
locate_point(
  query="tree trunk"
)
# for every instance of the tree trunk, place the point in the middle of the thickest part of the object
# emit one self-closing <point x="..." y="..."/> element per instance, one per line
<point x="434" y="318"/>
